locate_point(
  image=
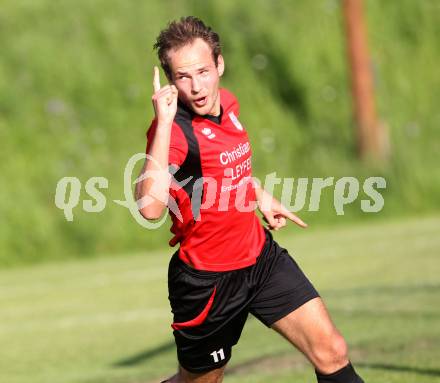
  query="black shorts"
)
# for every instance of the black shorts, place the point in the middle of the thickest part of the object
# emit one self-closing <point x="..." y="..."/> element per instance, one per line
<point x="211" y="308"/>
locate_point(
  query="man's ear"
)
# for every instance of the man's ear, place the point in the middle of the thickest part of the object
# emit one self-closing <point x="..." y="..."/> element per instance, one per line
<point x="220" y="65"/>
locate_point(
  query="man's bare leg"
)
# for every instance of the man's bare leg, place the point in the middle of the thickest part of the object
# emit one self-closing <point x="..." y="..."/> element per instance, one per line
<point x="310" y="329"/>
<point x="184" y="376"/>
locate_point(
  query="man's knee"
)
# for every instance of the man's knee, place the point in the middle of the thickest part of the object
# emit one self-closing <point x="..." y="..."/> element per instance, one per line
<point x="330" y="354"/>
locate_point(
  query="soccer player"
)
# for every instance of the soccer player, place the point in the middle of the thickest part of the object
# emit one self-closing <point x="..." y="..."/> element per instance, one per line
<point x="227" y="265"/>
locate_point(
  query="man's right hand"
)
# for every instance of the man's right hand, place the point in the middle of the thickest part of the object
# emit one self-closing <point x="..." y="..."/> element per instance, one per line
<point x="164" y="100"/>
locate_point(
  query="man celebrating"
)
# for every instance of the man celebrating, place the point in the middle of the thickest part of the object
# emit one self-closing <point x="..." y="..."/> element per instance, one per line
<point x="227" y="264"/>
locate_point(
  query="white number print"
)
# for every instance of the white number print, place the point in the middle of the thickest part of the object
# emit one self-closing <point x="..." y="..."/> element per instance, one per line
<point x="218" y="355"/>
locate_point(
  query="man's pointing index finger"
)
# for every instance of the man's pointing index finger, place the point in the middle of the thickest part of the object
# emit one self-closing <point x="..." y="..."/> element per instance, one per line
<point x="156" y="79"/>
<point x="295" y="219"/>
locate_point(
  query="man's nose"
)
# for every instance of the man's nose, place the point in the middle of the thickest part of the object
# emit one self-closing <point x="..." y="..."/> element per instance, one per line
<point x="195" y="85"/>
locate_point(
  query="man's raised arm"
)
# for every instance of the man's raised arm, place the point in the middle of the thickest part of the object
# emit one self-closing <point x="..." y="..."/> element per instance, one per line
<point x="152" y="191"/>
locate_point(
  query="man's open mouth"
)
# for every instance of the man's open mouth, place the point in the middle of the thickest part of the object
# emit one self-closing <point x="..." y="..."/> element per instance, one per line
<point x="201" y="101"/>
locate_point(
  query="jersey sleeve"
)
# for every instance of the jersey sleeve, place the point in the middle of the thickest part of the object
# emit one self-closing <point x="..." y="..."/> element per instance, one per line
<point x="178" y="145"/>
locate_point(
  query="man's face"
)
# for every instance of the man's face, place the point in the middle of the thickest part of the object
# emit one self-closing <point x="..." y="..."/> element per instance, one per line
<point x="196" y="76"/>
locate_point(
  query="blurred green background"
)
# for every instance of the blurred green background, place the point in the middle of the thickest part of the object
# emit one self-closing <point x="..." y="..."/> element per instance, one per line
<point x="75" y="88"/>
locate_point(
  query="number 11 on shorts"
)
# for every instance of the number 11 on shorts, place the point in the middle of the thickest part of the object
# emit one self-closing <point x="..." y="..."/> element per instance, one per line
<point x="218" y="355"/>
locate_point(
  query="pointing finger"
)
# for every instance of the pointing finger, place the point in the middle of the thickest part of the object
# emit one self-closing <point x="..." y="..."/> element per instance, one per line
<point x="156" y="79"/>
<point x="295" y="219"/>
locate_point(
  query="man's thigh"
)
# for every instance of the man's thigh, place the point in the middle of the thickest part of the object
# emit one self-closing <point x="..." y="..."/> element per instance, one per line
<point x="213" y="376"/>
<point x="184" y="376"/>
<point x="310" y="329"/>
<point x="306" y="326"/>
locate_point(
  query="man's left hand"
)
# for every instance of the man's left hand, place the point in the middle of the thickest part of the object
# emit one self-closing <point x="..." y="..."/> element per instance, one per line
<point x="274" y="213"/>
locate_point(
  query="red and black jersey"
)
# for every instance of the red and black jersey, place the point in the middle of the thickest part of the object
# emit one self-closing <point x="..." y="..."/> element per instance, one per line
<point x="215" y="224"/>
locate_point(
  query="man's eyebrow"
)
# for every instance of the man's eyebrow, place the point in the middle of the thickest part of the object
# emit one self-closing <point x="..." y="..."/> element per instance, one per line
<point x="182" y="72"/>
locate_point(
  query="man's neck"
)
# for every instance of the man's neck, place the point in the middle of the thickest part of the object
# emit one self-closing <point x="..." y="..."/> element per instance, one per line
<point x="215" y="111"/>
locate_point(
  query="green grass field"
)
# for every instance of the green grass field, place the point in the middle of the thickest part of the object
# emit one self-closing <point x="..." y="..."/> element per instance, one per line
<point x="107" y="319"/>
